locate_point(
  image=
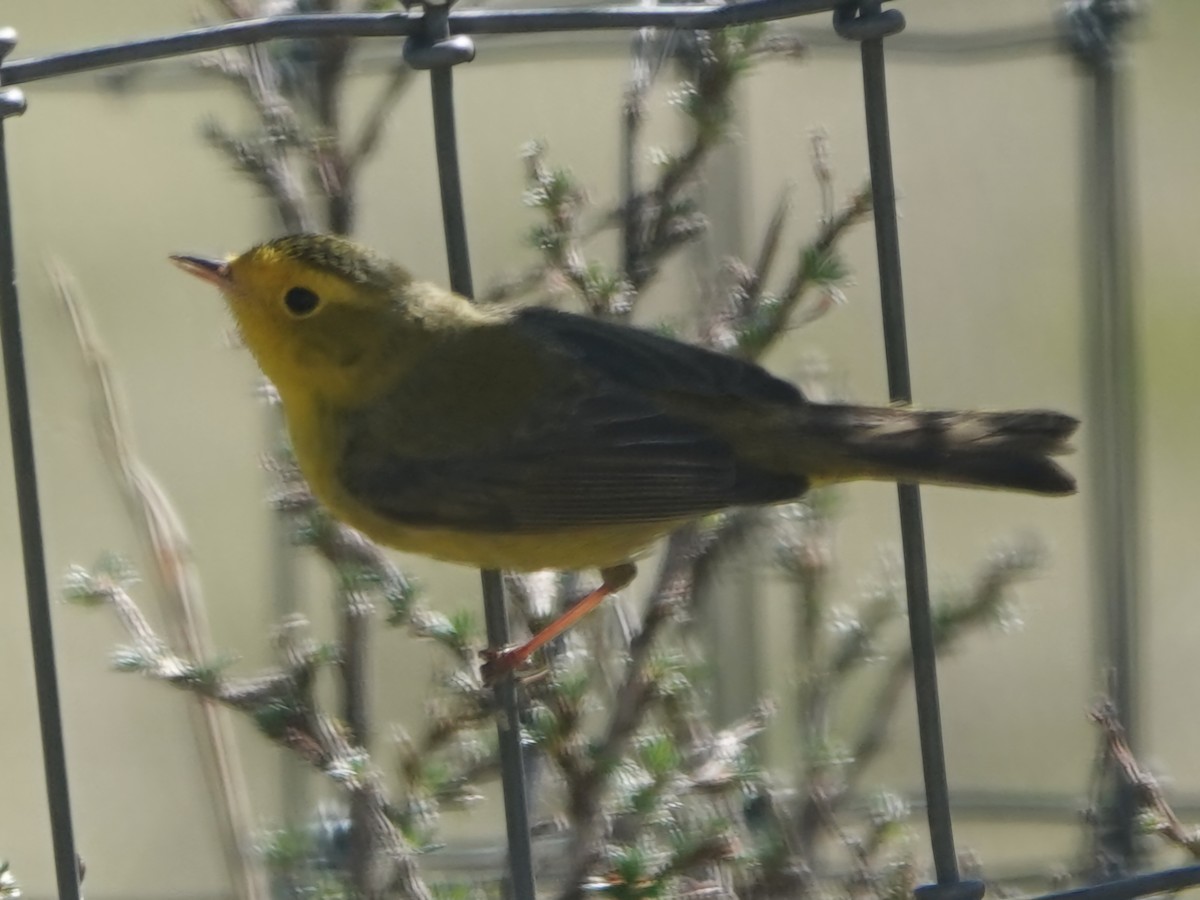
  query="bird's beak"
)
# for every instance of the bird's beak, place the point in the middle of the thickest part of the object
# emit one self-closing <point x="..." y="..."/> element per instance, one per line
<point x="214" y="271"/>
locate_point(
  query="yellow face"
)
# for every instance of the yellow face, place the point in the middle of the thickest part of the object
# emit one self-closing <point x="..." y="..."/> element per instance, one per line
<point x="315" y="311"/>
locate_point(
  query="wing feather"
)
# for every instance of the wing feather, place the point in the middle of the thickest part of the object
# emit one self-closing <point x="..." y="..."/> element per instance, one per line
<point x="594" y="449"/>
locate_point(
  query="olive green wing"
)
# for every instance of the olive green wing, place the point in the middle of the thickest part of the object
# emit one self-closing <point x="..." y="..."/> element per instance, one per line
<point x="593" y="447"/>
<point x="654" y="364"/>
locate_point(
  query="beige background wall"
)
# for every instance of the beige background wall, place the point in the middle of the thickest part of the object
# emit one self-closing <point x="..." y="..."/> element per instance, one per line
<point x="987" y="159"/>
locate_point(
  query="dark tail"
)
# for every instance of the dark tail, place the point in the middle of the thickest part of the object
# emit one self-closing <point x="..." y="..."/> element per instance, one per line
<point x="1007" y="450"/>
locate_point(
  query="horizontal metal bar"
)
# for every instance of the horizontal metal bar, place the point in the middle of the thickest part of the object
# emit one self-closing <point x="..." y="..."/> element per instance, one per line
<point x="976" y="47"/>
<point x="965" y="48"/>
<point x="1004" y="805"/>
<point x="1134" y="886"/>
<point x="198" y="40"/>
<point x="524" y="21"/>
<point x="398" y="24"/>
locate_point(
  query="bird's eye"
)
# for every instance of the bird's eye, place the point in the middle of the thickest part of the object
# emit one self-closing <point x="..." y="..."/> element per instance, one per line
<point x="300" y="301"/>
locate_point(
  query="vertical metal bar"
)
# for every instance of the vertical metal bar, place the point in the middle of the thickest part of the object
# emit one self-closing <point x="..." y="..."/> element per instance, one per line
<point x="512" y="763"/>
<point x="512" y="759"/>
<point x="37" y="589"/>
<point x="1111" y="396"/>
<point x="445" y="140"/>
<point x="912" y="534"/>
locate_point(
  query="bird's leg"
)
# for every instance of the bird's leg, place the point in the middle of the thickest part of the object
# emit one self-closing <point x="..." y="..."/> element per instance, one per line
<point x="500" y="662"/>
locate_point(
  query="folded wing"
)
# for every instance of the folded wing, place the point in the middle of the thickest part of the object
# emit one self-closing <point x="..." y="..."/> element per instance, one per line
<point x="594" y="447"/>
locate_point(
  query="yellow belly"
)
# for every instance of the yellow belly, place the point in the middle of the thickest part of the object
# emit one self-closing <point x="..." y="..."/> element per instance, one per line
<point x="589" y="547"/>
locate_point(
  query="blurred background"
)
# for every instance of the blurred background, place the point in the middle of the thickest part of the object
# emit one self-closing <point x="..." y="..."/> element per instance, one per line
<point x="110" y="175"/>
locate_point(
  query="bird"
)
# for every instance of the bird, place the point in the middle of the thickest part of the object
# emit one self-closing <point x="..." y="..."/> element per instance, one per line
<point x="526" y="437"/>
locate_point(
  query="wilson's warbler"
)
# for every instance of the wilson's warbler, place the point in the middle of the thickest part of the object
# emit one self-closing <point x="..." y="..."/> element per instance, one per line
<point x="532" y="438"/>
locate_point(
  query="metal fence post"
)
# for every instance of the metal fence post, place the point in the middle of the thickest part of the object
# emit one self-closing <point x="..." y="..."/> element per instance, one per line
<point x="437" y="50"/>
<point x="37" y="589"/>
<point x="1095" y="32"/>
<point x="866" y="22"/>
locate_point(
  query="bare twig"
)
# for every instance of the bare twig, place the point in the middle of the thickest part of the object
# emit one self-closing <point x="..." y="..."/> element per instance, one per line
<point x="355" y="617"/>
<point x="179" y="586"/>
<point x="768" y="252"/>
<point x="645" y="66"/>
<point x="272" y="166"/>
<point x="372" y="129"/>
<point x="330" y="160"/>
<point x="1149" y="794"/>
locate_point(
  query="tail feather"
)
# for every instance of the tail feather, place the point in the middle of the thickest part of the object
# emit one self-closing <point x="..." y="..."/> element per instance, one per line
<point x="1008" y="450"/>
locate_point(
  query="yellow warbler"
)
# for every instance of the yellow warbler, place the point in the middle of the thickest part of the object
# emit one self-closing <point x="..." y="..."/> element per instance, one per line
<point x="532" y="438"/>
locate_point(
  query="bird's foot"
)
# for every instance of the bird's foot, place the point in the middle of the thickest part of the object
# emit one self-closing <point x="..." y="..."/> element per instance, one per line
<point x="498" y="662"/>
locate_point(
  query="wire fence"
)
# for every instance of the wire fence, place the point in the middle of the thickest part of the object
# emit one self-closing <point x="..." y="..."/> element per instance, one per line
<point x="438" y="38"/>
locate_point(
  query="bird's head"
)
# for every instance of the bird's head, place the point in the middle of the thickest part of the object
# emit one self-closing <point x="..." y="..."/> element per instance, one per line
<point x="317" y="311"/>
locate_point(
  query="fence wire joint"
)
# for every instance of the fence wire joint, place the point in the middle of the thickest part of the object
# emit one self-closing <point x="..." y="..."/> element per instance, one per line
<point x="1092" y="29"/>
<point x="433" y="47"/>
<point x="12" y="100"/>
<point x="864" y="20"/>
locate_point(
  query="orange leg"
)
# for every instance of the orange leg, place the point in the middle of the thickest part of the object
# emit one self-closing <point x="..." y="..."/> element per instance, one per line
<point x="500" y="662"/>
